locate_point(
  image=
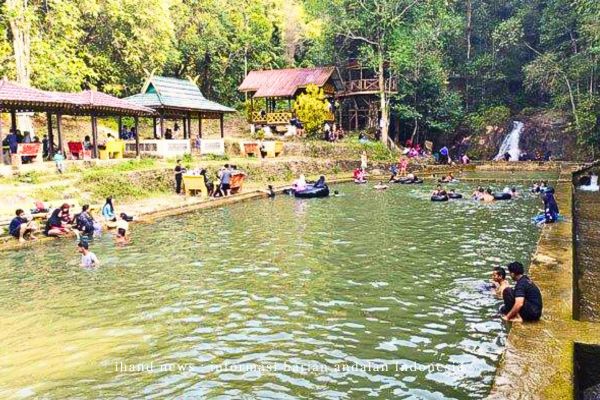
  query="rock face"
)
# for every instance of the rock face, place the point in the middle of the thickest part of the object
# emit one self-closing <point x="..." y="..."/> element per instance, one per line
<point x="544" y="131"/>
<point x="548" y="132"/>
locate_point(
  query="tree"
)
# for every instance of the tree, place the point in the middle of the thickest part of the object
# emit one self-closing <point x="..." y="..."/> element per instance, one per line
<point x="375" y="27"/>
<point x="311" y="109"/>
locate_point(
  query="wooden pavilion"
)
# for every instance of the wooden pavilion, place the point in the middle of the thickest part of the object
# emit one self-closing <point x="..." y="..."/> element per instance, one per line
<point x="278" y="88"/>
<point x="178" y="99"/>
<point x="15" y="98"/>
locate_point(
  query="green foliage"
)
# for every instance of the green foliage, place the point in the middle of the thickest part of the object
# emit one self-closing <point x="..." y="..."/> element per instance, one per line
<point x="215" y="157"/>
<point x="311" y="109"/>
<point x="491" y="116"/>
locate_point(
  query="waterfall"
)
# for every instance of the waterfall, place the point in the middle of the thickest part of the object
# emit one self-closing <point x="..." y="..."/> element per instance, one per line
<point x="510" y="144"/>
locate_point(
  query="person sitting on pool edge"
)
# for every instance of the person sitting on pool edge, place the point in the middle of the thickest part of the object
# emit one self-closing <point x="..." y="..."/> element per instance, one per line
<point x="21" y="226"/>
<point x="499" y="281"/>
<point x="524" y="302"/>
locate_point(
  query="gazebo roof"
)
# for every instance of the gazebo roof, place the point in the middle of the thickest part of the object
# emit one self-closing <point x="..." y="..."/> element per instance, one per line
<point x="23" y="98"/>
<point x="91" y="100"/>
<point x="284" y="82"/>
<point x="14" y="96"/>
<point x="175" y="95"/>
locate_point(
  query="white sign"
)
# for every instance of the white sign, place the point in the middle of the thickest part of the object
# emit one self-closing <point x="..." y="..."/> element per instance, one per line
<point x="212" y="146"/>
<point x="161" y="148"/>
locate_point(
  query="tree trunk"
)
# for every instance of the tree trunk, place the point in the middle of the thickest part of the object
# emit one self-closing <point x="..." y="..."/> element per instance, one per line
<point x="572" y="99"/>
<point x="383" y="108"/>
<point x="469" y="35"/>
<point x="20" y="27"/>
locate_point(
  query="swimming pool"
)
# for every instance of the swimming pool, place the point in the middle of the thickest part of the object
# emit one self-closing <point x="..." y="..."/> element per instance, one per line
<point x="371" y="294"/>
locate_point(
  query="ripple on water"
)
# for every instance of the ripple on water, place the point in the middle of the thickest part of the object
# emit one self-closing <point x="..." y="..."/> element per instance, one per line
<point x="349" y="297"/>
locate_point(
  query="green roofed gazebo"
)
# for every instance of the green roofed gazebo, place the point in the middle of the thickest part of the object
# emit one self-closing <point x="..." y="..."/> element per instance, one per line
<point x="178" y="99"/>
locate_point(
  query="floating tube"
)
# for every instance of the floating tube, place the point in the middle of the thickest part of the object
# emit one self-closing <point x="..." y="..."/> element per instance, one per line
<point x="311" y="192"/>
<point x="502" y="196"/>
<point x="439" y="198"/>
<point x="360" y="182"/>
<point x="455" y="196"/>
<point x="445" y="181"/>
<point x="410" y="181"/>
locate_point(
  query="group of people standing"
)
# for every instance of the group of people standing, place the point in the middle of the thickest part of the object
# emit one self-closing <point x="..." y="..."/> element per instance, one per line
<point x="220" y="187"/>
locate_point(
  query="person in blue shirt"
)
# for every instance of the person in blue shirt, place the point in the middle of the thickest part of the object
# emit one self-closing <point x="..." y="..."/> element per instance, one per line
<point x="12" y="142"/>
<point x="20" y="226"/>
<point x="108" y="211"/>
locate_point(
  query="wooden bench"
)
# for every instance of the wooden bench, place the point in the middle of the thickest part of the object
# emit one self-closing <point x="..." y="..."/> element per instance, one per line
<point x="194" y="183"/>
<point x="77" y="151"/>
<point x="250" y="148"/>
<point x="112" y="149"/>
<point x="237" y="180"/>
<point x="33" y="150"/>
<point x="273" y="148"/>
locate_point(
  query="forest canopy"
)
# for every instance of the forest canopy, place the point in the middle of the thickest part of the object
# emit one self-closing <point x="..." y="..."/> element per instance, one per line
<point x="454" y="60"/>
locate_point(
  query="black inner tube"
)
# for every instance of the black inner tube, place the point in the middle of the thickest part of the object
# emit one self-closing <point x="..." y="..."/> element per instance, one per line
<point x="439" y="198"/>
<point x="502" y="196"/>
<point x="455" y="196"/>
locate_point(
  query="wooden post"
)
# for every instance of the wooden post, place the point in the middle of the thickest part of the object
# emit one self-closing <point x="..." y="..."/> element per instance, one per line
<point x="137" y="137"/>
<point x="59" y="130"/>
<point x="162" y="127"/>
<point x="1" y="139"/>
<point x="251" y="110"/>
<point x="200" y="125"/>
<point x="221" y="120"/>
<point x="50" y="136"/>
<point x="189" y="125"/>
<point x="120" y="127"/>
<point x="95" y="135"/>
<point x="154" y="127"/>
<point x="185" y="128"/>
<point x="13" y="121"/>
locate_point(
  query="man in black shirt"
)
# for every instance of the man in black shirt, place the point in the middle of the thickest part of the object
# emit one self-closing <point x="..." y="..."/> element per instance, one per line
<point x="524" y="302"/>
<point x="179" y="170"/>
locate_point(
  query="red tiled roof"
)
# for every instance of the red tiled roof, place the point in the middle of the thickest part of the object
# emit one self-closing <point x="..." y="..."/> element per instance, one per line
<point x="13" y="93"/>
<point x="91" y="99"/>
<point x="19" y="97"/>
<point x="284" y="82"/>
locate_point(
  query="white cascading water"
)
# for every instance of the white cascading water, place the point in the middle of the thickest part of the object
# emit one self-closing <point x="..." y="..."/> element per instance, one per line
<point x="593" y="186"/>
<point x="510" y="144"/>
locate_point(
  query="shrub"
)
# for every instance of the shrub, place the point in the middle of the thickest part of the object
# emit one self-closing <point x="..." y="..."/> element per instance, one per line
<point x="311" y="109"/>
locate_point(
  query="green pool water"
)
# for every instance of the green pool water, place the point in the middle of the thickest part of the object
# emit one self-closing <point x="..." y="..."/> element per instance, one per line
<point x="372" y="294"/>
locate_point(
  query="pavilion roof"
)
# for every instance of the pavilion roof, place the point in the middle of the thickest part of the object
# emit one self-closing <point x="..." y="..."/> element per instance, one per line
<point x="175" y="95"/>
<point x="19" y="97"/>
<point x="14" y="96"/>
<point x="91" y="100"/>
<point x="284" y="82"/>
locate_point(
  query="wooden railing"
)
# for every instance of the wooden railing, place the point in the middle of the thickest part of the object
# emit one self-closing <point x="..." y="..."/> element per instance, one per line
<point x="279" y="117"/>
<point x="370" y="85"/>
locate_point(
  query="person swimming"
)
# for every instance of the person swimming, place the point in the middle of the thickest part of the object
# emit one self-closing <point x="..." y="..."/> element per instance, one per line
<point x="488" y="196"/>
<point x="439" y="191"/>
<point x="320" y="183"/>
<point x="380" y="186"/>
<point x="300" y="183"/>
<point x="478" y="193"/>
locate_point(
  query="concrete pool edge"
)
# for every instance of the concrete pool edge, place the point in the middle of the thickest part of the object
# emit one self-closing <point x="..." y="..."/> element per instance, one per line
<point x="538" y="360"/>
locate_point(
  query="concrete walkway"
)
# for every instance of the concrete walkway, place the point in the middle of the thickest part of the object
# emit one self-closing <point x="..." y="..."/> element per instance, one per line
<point x="538" y="362"/>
